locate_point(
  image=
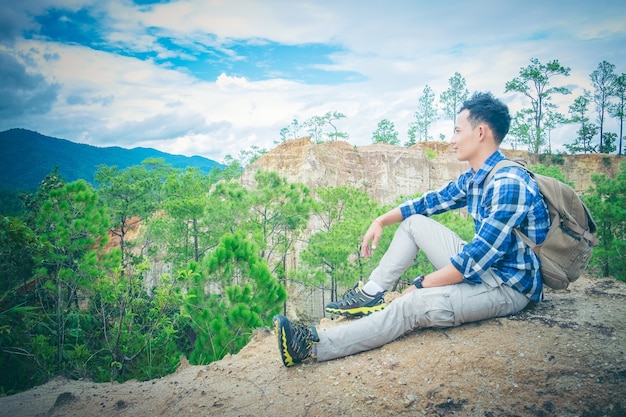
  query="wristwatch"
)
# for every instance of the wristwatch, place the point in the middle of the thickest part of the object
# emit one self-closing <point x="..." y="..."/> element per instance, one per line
<point x="418" y="281"/>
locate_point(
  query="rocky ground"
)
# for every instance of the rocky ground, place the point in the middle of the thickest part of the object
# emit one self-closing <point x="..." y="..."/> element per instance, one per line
<point x="564" y="357"/>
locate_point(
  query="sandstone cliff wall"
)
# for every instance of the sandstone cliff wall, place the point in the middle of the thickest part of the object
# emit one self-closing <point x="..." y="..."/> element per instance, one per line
<point x="390" y="173"/>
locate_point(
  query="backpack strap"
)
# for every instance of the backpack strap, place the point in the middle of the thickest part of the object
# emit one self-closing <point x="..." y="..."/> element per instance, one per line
<point x="532" y="245"/>
<point x="584" y="233"/>
<point x="506" y="163"/>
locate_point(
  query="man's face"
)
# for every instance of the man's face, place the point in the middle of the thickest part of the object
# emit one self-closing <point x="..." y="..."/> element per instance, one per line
<point x="465" y="138"/>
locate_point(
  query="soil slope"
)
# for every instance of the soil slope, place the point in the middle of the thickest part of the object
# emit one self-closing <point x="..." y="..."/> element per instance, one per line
<point x="564" y="357"/>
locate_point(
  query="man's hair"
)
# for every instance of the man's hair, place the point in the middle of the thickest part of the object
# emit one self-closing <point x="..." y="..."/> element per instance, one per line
<point x="485" y="108"/>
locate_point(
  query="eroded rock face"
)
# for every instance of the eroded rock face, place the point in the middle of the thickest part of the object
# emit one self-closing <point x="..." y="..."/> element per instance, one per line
<point x="390" y="173"/>
<point x="385" y="172"/>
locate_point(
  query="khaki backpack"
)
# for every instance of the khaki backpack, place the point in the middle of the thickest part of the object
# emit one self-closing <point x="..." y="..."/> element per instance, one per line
<point x="566" y="252"/>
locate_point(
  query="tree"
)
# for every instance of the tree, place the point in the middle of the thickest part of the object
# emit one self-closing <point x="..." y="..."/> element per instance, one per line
<point x="244" y="296"/>
<point x="228" y="209"/>
<point x="521" y="129"/>
<point x="292" y="131"/>
<point x="184" y="227"/>
<point x="316" y="125"/>
<point x="425" y="116"/>
<point x="608" y="142"/>
<point x="315" y="128"/>
<point x="619" y="109"/>
<point x="385" y="133"/>
<point x="607" y="203"/>
<point x="582" y="144"/>
<point x="454" y="96"/>
<point x="33" y="202"/>
<point x="233" y="169"/>
<point x="333" y="203"/>
<point x="21" y="367"/>
<point x="131" y="195"/>
<point x="69" y="225"/>
<point x="279" y="212"/>
<point x="18" y="247"/>
<point x="331" y="118"/>
<point x="246" y="156"/>
<point x="553" y="120"/>
<point x="533" y="82"/>
<point x="603" y="81"/>
<point x="578" y="112"/>
<point x="136" y="332"/>
<point x="332" y="256"/>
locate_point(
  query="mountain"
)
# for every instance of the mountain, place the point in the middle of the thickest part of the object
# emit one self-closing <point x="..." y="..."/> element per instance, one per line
<point x="26" y="157"/>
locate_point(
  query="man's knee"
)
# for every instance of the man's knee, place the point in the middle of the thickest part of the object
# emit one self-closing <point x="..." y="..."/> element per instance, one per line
<point x="438" y="242"/>
<point x="416" y="222"/>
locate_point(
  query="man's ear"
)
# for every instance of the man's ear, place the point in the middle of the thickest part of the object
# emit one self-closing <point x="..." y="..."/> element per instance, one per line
<point x="484" y="132"/>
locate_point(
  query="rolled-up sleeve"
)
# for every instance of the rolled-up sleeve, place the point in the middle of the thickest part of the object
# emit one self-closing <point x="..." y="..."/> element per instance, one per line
<point x="449" y="197"/>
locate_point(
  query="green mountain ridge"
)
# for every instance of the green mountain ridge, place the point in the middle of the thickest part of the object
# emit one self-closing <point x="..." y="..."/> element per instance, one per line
<point x="26" y="157"/>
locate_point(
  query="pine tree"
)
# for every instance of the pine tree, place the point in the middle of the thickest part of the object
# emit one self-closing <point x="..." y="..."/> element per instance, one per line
<point x="184" y="226"/>
<point x="533" y="82"/>
<point x="578" y="111"/>
<point x="607" y="203"/>
<point x="425" y="116"/>
<point x="603" y="81"/>
<point x="454" y="96"/>
<point x="236" y="295"/>
<point x="385" y="133"/>
<point x="131" y="196"/>
<point x="70" y="223"/>
<point x="332" y="256"/>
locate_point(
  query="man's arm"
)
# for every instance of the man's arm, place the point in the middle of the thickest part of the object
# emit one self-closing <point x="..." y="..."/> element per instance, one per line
<point x="375" y="231"/>
<point x="447" y="275"/>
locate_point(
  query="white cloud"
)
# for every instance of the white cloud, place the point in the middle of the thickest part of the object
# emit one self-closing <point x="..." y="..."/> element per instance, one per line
<point x="284" y="22"/>
<point x="398" y="47"/>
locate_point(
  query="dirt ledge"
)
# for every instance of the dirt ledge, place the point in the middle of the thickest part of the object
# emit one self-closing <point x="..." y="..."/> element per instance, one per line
<point x="564" y="357"/>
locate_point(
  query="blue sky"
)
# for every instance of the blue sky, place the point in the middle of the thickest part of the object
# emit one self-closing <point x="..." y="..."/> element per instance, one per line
<point x="215" y="77"/>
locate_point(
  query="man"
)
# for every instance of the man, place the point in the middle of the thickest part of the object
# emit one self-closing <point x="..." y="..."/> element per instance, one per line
<point x="495" y="274"/>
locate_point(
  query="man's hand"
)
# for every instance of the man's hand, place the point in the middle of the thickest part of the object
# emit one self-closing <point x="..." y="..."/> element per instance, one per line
<point x="372" y="235"/>
<point x="375" y="231"/>
<point x="409" y="289"/>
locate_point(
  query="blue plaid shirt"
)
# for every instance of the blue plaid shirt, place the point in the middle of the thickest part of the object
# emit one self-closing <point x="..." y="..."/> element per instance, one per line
<point x="510" y="199"/>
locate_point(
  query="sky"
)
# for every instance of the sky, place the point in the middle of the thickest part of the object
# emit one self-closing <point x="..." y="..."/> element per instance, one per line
<point x="218" y="77"/>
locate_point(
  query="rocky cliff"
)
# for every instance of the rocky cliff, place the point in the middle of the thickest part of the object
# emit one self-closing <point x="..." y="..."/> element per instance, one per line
<point x="388" y="172"/>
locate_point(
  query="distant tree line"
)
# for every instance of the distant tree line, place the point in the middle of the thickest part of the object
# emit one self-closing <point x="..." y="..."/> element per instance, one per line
<point x="531" y="126"/>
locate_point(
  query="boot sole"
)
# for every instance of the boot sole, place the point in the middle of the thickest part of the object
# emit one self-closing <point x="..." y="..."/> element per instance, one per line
<point x="356" y="312"/>
<point x="281" y="338"/>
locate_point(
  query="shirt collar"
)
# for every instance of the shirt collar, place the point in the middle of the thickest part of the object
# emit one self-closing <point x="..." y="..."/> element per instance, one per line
<point x="487" y="166"/>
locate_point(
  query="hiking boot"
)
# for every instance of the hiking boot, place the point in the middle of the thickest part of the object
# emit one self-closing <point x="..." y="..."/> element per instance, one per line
<point x="355" y="303"/>
<point x="295" y="341"/>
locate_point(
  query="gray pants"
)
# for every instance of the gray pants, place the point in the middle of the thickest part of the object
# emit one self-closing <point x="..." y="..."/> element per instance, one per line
<point x="445" y="306"/>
